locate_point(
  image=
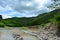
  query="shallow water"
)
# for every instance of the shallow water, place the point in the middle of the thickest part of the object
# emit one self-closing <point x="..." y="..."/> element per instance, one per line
<point x="6" y="34"/>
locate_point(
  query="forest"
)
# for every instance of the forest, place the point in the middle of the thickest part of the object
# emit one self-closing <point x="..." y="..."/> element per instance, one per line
<point x="31" y="21"/>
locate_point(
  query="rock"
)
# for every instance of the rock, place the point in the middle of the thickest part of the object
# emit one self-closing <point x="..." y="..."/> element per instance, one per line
<point x="17" y="37"/>
<point x="47" y="35"/>
<point x="20" y="38"/>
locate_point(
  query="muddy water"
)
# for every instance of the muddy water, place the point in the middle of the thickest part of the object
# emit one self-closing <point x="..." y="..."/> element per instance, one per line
<point x="6" y="34"/>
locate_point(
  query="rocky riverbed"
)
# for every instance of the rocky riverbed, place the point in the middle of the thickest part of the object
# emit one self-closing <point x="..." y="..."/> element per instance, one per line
<point x="19" y="34"/>
<point x="15" y="34"/>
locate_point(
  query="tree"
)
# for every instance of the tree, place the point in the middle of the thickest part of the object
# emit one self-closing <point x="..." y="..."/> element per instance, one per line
<point x="55" y="5"/>
<point x="0" y="17"/>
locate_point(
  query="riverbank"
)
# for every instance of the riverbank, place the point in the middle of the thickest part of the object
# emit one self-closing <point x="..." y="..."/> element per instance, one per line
<point x="29" y="34"/>
<point x="6" y="34"/>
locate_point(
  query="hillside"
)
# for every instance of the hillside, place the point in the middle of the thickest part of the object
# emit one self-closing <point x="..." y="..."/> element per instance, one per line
<point x="24" y="21"/>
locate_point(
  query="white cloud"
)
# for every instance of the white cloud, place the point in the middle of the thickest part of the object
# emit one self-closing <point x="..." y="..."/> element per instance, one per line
<point x="24" y="6"/>
<point x="6" y="16"/>
<point x="7" y="12"/>
<point x="10" y="8"/>
<point x="27" y="5"/>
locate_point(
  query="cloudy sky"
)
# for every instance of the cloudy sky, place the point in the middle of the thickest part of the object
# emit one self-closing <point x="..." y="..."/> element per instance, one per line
<point x="23" y="8"/>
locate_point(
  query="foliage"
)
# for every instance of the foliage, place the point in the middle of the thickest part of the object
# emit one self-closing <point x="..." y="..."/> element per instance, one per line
<point x="2" y="24"/>
<point x="57" y="18"/>
<point x="55" y="5"/>
<point x="30" y="21"/>
<point x="0" y="17"/>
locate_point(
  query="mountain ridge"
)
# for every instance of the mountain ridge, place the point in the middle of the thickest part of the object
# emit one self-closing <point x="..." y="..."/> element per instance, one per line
<point x="40" y="19"/>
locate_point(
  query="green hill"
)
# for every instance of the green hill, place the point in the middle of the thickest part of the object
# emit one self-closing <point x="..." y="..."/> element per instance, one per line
<point x="29" y="21"/>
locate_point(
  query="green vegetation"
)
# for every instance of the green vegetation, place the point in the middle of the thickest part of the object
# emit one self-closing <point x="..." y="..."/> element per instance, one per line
<point x="57" y="20"/>
<point x="41" y="19"/>
<point x="0" y="17"/>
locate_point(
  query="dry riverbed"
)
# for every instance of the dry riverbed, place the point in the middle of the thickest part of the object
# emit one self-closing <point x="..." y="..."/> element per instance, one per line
<point x="28" y="34"/>
<point x="7" y="34"/>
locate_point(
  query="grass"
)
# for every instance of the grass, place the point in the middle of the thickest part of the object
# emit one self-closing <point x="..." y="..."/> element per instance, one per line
<point x="24" y="28"/>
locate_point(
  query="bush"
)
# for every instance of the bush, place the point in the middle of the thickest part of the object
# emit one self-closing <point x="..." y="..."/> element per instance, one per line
<point x="2" y="25"/>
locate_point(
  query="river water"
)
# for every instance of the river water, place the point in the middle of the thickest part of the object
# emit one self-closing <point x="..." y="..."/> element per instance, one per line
<point x="6" y="34"/>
